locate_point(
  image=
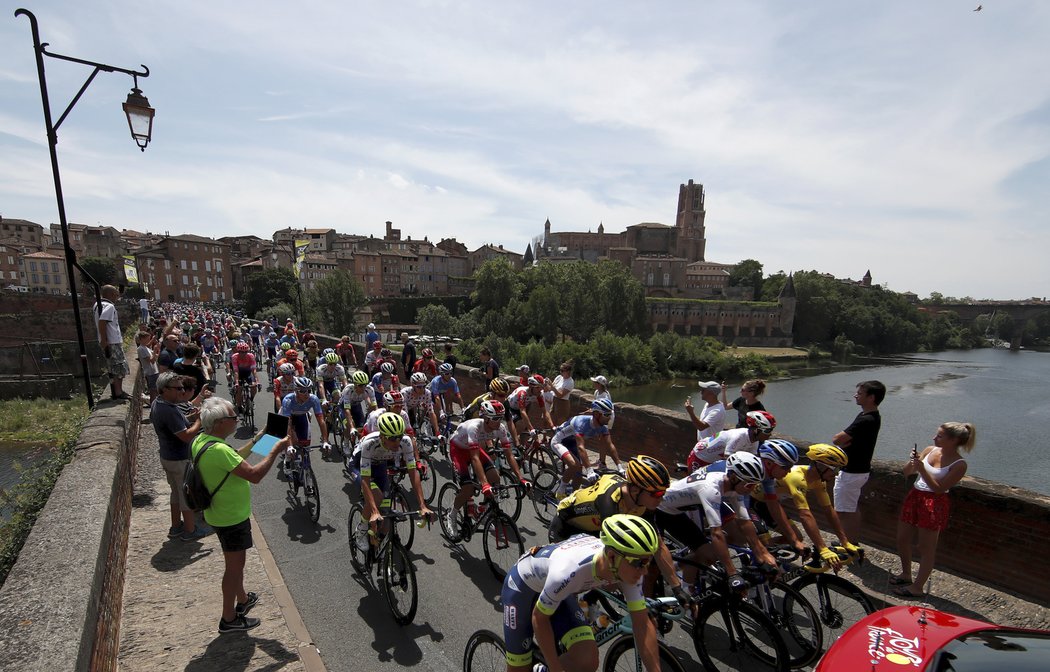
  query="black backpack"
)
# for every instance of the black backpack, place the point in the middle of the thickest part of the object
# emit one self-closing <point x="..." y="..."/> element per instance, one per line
<point x="197" y="495"/>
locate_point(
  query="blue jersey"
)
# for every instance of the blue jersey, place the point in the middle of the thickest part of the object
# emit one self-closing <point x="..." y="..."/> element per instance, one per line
<point x="300" y="413"/>
<point x="439" y="386"/>
<point x="580" y="425"/>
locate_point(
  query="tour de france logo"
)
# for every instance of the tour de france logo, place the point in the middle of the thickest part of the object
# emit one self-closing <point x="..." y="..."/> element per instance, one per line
<point x="888" y="644"/>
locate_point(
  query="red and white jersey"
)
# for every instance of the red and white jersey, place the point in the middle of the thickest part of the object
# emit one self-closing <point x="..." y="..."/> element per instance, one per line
<point x="522" y="397"/>
<point x="472" y="435"/>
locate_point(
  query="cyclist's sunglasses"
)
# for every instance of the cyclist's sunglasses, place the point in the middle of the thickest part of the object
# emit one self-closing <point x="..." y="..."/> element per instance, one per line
<point x="637" y="563"/>
<point x="656" y="494"/>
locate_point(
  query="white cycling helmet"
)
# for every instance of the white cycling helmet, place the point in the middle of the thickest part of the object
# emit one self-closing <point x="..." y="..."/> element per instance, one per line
<point x="746" y="466"/>
<point x="419" y="378"/>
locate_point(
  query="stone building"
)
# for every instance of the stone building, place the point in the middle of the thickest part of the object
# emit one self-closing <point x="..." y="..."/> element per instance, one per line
<point x="44" y="273"/>
<point x="89" y="241"/>
<point x="186" y="268"/>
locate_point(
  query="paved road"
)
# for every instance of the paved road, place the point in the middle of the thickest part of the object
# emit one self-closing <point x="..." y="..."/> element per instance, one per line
<point x="347" y="616"/>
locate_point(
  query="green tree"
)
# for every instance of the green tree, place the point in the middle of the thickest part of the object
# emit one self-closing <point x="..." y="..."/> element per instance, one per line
<point x="102" y="269"/>
<point x="337" y="299"/>
<point x="747" y="273"/>
<point x="494" y="285"/>
<point x="435" y="320"/>
<point x="267" y="287"/>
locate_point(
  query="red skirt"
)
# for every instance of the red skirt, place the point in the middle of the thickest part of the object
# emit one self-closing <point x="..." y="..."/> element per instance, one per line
<point x="928" y="510"/>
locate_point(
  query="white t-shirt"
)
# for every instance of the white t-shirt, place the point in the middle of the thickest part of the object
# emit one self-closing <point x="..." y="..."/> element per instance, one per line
<point x="144" y="304"/>
<point x="559" y="383"/>
<point x="715" y="417"/>
<point x="109" y="314"/>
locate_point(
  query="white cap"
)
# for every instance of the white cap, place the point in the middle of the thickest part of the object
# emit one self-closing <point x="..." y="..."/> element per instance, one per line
<point x="600" y="379"/>
<point x="710" y="386"/>
<point x="371" y="325"/>
<point x="524" y="368"/>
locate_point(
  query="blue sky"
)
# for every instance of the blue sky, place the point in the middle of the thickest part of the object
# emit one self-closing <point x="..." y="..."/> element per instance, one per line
<point x="912" y="139"/>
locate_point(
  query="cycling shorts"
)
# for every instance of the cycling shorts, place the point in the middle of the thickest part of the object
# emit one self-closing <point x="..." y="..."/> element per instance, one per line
<point x="684" y="530"/>
<point x="568" y="620"/>
<point x="461" y="463"/>
<point x="380" y="477"/>
<point x="567" y="445"/>
<point x="246" y="375"/>
<point x="329" y="386"/>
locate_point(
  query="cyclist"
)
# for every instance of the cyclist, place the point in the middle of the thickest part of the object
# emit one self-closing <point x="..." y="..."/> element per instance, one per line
<point x="467" y="450"/>
<point x="384" y="381"/>
<point x="445" y="390"/>
<point x="812" y="479"/>
<point x="298" y="406"/>
<point x="381" y="447"/>
<point x="393" y="402"/>
<point x="760" y="425"/>
<point x="708" y="498"/>
<point x="331" y="375"/>
<point x="373" y="355"/>
<point x="569" y="442"/>
<point x="244" y="366"/>
<point x="498" y="390"/>
<point x="360" y="398"/>
<point x="283" y="384"/>
<point x="345" y="350"/>
<point x="539" y="595"/>
<point x="271" y="345"/>
<point x="778" y="457"/>
<point x="289" y="338"/>
<point x="520" y="400"/>
<point x="426" y="364"/>
<point x="256" y="335"/>
<point x="420" y="403"/>
<point x="311" y="351"/>
<point x="291" y="356"/>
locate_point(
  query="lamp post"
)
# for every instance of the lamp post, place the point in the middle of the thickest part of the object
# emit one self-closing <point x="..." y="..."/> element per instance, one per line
<point x="140" y="121"/>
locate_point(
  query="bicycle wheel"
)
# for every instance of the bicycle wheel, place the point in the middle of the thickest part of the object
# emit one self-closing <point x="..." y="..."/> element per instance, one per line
<point x="445" y="500"/>
<point x="838" y="602"/>
<point x="623" y="657"/>
<point x="541" y="457"/>
<point x="797" y="620"/>
<point x="399" y="583"/>
<point x="485" y="652"/>
<point x="357" y="537"/>
<point x="428" y="479"/>
<point x="542" y="495"/>
<point x="335" y="431"/>
<point x="510" y="498"/>
<point x="405" y="528"/>
<point x="311" y="494"/>
<point x="737" y="636"/>
<point x="502" y="542"/>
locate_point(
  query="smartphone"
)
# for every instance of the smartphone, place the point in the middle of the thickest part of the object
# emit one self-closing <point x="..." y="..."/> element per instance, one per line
<point x="211" y="384"/>
<point x="276" y="425"/>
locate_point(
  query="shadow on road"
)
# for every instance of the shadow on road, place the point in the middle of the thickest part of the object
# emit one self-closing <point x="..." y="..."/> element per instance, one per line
<point x="235" y="651"/>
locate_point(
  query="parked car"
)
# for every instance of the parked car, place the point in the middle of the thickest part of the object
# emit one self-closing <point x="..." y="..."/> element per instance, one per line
<point x="920" y="638"/>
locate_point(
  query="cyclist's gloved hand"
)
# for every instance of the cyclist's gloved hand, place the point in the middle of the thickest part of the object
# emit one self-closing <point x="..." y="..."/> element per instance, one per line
<point x="682" y="596"/>
<point x="326" y="447"/>
<point x="852" y="549"/>
<point x="486" y="490"/>
<point x="441" y="437"/>
<point x="829" y="556"/>
<point x="737" y="583"/>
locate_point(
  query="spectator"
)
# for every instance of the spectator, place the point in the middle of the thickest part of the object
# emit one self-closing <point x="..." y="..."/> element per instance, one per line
<point x="228" y="475"/>
<point x="170" y="351"/>
<point x="408" y="354"/>
<point x="112" y="342"/>
<point x="748" y="401"/>
<point x="858" y="440"/>
<point x="601" y="391"/>
<point x="451" y="358"/>
<point x="926" y="506"/>
<point x="174" y="433"/>
<point x="189" y="366"/>
<point x="559" y="389"/>
<point x="144" y="309"/>
<point x="713" y="416"/>
<point x="147" y="355"/>
<point x="489" y="365"/>
<point x="371" y="336"/>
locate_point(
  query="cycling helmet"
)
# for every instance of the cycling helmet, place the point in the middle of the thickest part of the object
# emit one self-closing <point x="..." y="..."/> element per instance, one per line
<point x="286" y="347"/>
<point x="243" y="347"/>
<point x="303" y="383"/>
<point x="825" y="453"/>
<point x="603" y="406"/>
<point x="331" y="358"/>
<point x="648" y="473"/>
<point x="779" y="451"/>
<point x="418" y="378"/>
<point x="746" y="466"/>
<point x="393" y="397"/>
<point x="387" y="367"/>
<point x="391" y="425"/>
<point x="328" y="351"/>
<point x="385" y="353"/>
<point x="536" y="381"/>
<point x="291" y="353"/>
<point x="445" y="369"/>
<point x="273" y="334"/>
<point x="763" y="421"/>
<point x="359" y="378"/>
<point x="286" y="369"/>
<point x="427" y="353"/>
<point x="499" y="386"/>
<point x="629" y="535"/>
<point x="377" y="345"/>
<point x="492" y="410"/>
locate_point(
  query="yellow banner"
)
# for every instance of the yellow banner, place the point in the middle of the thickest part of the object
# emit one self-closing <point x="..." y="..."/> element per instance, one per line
<point x="300" y="255"/>
<point x="130" y="272"/>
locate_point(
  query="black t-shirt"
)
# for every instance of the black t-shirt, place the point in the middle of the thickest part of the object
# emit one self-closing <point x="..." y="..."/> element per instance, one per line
<point x="491" y="369"/>
<point x="191" y="370"/>
<point x="864" y="431"/>
<point x="167" y="358"/>
<point x="742" y="409"/>
<point x="453" y="360"/>
<point x="408" y="355"/>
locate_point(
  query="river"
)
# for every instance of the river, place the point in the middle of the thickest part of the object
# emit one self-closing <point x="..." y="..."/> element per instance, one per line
<point x="1003" y="393"/>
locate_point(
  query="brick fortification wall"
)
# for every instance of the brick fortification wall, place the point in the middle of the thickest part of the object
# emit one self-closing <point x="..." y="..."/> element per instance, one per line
<point x="60" y="607"/>
<point x="997" y="534"/>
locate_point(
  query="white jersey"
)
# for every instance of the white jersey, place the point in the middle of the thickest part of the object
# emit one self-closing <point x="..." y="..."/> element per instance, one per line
<point x="715" y="417"/>
<point x="372" y="422"/>
<point x="372" y="450"/>
<point x="417" y="402"/>
<point x="328" y="371"/>
<point x="558" y="571"/>
<point x="471" y="434"/>
<point x="350" y="396"/>
<point x="725" y="444"/>
<point x="700" y="496"/>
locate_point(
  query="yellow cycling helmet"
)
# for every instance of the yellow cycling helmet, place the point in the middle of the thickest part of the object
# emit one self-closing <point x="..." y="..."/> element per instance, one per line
<point x="391" y="425"/>
<point x="825" y="453"/>
<point x="499" y="386"/>
<point x="629" y="535"/>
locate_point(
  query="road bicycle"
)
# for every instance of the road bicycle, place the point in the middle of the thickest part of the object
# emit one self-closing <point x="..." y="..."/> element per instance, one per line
<point x="336" y="422"/>
<point x="500" y="537"/>
<point x="383" y="551"/>
<point x="535" y="453"/>
<point x="246" y="409"/>
<point x="302" y="483"/>
<point x="399" y="492"/>
<point x="838" y="602"/>
<point x="486" y="651"/>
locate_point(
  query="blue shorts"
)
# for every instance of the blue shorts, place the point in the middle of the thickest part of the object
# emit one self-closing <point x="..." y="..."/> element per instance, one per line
<point x="568" y="620"/>
<point x="380" y="478"/>
<point x="569" y="446"/>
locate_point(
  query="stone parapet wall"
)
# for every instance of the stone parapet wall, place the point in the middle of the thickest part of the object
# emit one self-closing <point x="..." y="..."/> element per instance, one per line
<point x="60" y="607"/>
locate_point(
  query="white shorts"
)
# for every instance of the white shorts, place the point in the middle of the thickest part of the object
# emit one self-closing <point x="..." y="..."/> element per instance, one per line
<point x="847" y="491"/>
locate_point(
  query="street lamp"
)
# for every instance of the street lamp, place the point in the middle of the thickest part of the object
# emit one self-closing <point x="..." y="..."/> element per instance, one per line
<point x="140" y="121"/>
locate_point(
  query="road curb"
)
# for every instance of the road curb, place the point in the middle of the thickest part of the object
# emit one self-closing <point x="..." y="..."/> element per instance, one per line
<point x="307" y="650"/>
